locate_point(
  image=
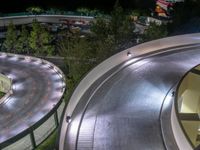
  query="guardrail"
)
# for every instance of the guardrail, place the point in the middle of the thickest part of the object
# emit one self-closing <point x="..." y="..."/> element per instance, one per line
<point x="18" y="20"/>
<point x="46" y="13"/>
<point x="149" y="48"/>
<point x="29" y="139"/>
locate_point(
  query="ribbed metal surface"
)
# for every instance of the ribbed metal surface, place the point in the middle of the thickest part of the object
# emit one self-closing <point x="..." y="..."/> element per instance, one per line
<point x="36" y="88"/>
<point x="124" y="112"/>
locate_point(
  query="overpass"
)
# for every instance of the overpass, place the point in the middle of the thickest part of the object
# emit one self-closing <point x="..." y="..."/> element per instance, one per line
<point x="26" y="19"/>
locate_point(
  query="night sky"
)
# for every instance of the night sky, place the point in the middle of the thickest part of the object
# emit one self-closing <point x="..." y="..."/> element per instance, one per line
<point x="107" y="5"/>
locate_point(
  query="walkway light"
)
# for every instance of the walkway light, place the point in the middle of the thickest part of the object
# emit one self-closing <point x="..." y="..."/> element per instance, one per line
<point x="173" y="93"/>
<point x="129" y="54"/>
<point x="68" y="119"/>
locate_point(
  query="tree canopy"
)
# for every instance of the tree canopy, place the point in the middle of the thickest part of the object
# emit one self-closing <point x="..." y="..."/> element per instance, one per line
<point x="40" y="40"/>
<point x="11" y="38"/>
<point x="155" y="31"/>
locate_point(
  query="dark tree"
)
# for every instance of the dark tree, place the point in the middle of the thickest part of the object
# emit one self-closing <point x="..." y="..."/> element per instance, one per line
<point x="22" y="42"/>
<point x="155" y="31"/>
<point x="40" y="40"/>
<point x="10" y="42"/>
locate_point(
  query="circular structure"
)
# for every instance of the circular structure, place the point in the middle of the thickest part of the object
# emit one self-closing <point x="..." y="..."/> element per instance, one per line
<point x="125" y="102"/>
<point x="29" y="114"/>
<point x="186" y="108"/>
<point x="32" y="111"/>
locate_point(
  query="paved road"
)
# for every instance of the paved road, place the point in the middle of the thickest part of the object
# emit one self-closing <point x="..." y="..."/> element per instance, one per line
<point x="36" y="89"/>
<point x="124" y="110"/>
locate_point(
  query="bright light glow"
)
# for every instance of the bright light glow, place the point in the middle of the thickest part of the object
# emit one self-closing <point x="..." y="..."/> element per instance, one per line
<point x="38" y="62"/>
<point x="27" y="59"/>
<point x="56" y="77"/>
<point x="17" y="86"/>
<point x="11" y="76"/>
<point x="10" y="101"/>
<point x="129" y="54"/>
<point x="136" y="64"/>
<point x="3" y="55"/>
<point x="46" y="66"/>
<point x="14" y="58"/>
<point x="73" y="127"/>
<point x="59" y="84"/>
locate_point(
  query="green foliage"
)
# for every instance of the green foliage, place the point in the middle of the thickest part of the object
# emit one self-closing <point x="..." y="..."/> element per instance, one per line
<point x="1" y="94"/>
<point x="22" y="45"/>
<point x="83" y="11"/>
<point x="100" y="27"/>
<point x="49" y="144"/>
<point x="9" y="44"/>
<point x="117" y="18"/>
<point x="135" y="12"/>
<point x="35" y="10"/>
<point x="155" y="31"/>
<point x="40" y="39"/>
<point x="78" y="55"/>
<point x="105" y="48"/>
<point x="88" y="12"/>
<point x="112" y="32"/>
<point x="78" y="51"/>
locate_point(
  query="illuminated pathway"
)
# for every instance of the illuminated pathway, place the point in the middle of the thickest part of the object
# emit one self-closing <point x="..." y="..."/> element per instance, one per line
<point x="121" y="109"/>
<point x="37" y="87"/>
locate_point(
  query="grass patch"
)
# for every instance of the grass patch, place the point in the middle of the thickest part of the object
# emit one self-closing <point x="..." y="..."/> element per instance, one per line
<point x="1" y="94"/>
<point x="49" y="143"/>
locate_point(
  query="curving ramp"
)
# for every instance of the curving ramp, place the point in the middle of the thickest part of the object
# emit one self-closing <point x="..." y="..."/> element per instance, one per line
<point x="37" y="88"/>
<point x="125" y="103"/>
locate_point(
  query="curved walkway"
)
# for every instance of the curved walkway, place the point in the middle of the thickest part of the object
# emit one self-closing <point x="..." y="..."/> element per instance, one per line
<point x="37" y="87"/>
<point x="122" y="110"/>
<point x="26" y="19"/>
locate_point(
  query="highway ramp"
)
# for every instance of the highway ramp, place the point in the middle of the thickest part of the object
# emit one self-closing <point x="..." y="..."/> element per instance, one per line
<point x="37" y="87"/>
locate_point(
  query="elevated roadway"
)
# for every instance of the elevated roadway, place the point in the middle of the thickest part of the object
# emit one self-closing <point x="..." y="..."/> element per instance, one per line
<point x="26" y="19"/>
<point x="37" y="87"/>
<point x="125" y="103"/>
